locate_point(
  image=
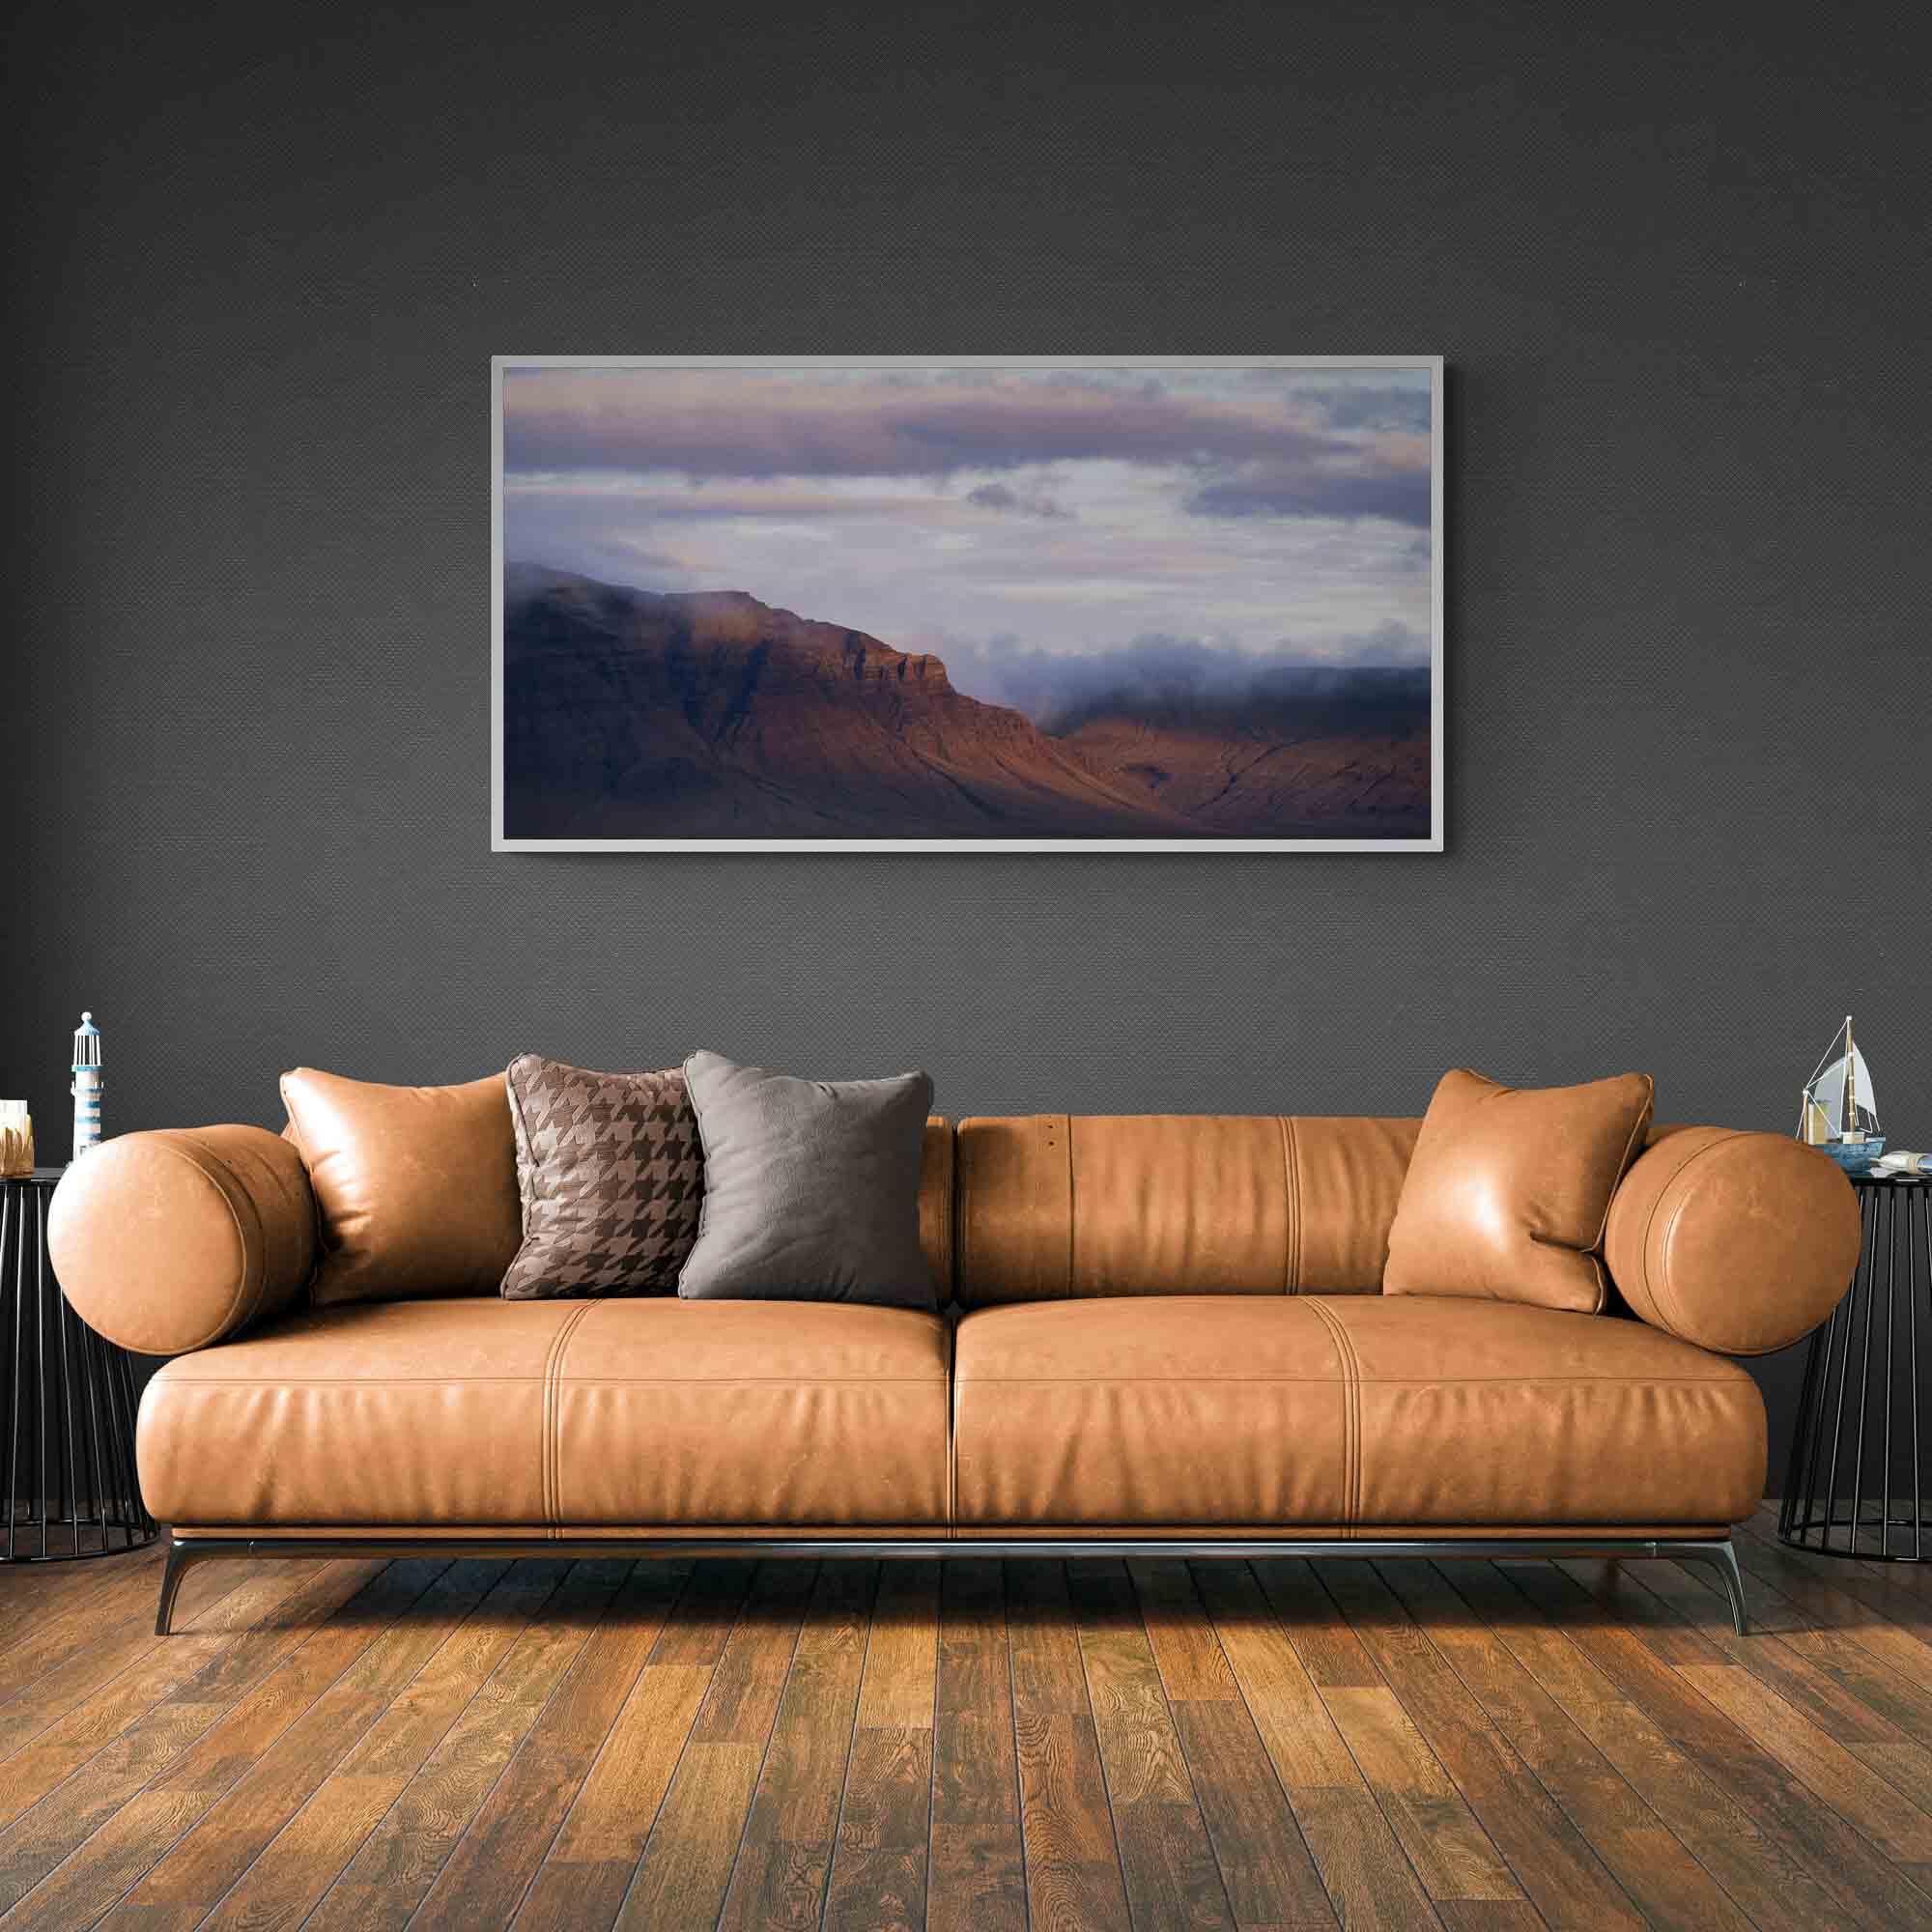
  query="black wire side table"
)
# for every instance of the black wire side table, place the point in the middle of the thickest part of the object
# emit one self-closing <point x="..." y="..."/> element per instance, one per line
<point x="68" y="1430"/>
<point x="1858" y="1479"/>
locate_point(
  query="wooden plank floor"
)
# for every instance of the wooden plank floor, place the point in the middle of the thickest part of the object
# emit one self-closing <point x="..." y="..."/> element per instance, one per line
<point x="978" y="1746"/>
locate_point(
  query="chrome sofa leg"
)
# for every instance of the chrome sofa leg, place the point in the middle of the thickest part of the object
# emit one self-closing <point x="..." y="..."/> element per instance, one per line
<point x="180" y="1556"/>
<point x="1723" y="1557"/>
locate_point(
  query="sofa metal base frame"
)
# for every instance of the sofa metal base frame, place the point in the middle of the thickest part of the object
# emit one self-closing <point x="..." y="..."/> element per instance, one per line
<point x="186" y="1552"/>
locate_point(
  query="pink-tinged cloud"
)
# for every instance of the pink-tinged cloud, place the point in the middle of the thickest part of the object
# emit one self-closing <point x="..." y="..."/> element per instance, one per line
<point x="1244" y="449"/>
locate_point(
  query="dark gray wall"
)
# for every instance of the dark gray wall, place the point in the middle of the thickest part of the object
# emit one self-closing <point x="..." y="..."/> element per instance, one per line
<point x="1677" y="261"/>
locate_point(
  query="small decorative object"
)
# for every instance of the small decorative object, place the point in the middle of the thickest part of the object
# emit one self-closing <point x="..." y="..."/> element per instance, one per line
<point x="86" y="1087"/>
<point x="16" y="1141"/>
<point x="1838" y="1114"/>
<point x="1904" y="1166"/>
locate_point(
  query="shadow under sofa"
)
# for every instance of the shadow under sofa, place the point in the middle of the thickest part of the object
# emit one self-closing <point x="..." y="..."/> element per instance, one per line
<point x="1158" y="1333"/>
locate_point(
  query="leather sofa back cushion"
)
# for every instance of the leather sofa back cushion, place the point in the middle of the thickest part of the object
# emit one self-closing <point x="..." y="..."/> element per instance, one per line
<point x="1056" y="1207"/>
<point x="415" y="1187"/>
<point x="1510" y="1189"/>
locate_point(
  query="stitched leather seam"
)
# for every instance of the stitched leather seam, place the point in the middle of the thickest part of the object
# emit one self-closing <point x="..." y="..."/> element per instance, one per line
<point x="951" y="1430"/>
<point x="536" y="1380"/>
<point x="1155" y="1530"/>
<point x="1072" y="1221"/>
<point x="1365" y="1382"/>
<point x="1657" y="1300"/>
<point x="182" y="1385"/>
<point x="948" y="1218"/>
<point x="552" y="1447"/>
<point x="1291" y="1195"/>
<point x="1050" y="1174"/>
<point x="1351" y="1422"/>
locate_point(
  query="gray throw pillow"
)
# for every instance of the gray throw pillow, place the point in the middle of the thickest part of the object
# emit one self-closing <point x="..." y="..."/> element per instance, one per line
<point x="810" y="1188"/>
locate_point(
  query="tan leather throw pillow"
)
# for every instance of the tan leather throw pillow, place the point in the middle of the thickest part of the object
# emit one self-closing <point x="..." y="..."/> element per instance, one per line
<point x="1509" y="1189"/>
<point x="417" y="1186"/>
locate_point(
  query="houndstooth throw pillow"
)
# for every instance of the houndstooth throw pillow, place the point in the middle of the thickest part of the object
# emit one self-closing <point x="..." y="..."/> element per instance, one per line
<point x="610" y="1171"/>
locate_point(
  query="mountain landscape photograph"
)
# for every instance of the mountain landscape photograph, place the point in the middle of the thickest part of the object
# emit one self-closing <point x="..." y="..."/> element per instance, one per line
<point x="1026" y="605"/>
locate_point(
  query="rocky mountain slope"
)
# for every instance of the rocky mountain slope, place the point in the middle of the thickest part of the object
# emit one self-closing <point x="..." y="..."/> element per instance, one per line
<point x="631" y="714"/>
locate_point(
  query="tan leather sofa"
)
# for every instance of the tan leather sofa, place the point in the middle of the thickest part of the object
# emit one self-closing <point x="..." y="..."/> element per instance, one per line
<point x="1162" y="1331"/>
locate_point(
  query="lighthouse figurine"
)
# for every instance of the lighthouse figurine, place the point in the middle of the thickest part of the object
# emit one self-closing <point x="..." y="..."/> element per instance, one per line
<point x="86" y="1087"/>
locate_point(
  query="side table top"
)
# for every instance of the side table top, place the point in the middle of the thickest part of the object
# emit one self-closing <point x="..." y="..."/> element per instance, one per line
<point x="42" y="1177"/>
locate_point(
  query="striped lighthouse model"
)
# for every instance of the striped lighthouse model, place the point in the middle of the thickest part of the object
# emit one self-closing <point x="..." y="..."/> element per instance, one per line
<point x="86" y="1087"/>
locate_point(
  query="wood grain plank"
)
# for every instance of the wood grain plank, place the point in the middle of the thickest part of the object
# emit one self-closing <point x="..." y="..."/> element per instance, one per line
<point x="97" y="1658"/>
<point x="1447" y="1843"/>
<point x="687" y="1865"/>
<point x="1568" y="1722"/>
<point x="298" y="1865"/>
<point x="1894" y="1623"/>
<point x="880" y="1856"/>
<point x="990" y="1748"/>
<point x="110" y="1597"/>
<point x="1327" y="1647"/>
<point x="60" y="1795"/>
<point x="1072" y="1863"/>
<point x="184" y="1885"/>
<point x="1490" y="1914"/>
<point x="1362" y="1866"/>
<point x="1368" y="1877"/>
<point x="219" y="1665"/>
<point x="1171" y="1874"/>
<point x="780" y="1878"/>
<point x="1048" y="1674"/>
<point x="583" y="1882"/>
<point x="1818" y="1695"/>
<point x="1264" y="1864"/>
<point x="1192" y="1664"/>
<point x="397" y="1862"/>
<point x="47" y="1738"/>
<point x="706" y="1613"/>
<point x="1301" y="1738"/>
<point x="508" y="1839"/>
<point x="1901" y="1698"/>
<point x="977" y="1877"/>
<point x="1844" y="1782"/>
<point x="1784" y="1810"/>
<point x="108" y="1843"/>
<point x="1552" y="1860"/>
<point x="686" y="1868"/>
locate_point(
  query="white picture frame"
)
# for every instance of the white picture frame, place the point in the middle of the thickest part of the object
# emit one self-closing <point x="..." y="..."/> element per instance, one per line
<point x="505" y="838"/>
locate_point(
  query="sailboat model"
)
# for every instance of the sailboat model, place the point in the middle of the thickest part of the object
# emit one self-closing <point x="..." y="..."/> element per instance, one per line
<point x="1838" y="1114"/>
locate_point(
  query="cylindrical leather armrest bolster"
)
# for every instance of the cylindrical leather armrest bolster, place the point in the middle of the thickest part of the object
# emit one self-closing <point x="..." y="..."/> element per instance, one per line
<point x="165" y="1243"/>
<point x="1740" y="1243"/>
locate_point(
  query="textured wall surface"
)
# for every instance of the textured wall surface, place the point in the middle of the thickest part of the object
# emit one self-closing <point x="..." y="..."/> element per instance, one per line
<point x="1676" y="258"/>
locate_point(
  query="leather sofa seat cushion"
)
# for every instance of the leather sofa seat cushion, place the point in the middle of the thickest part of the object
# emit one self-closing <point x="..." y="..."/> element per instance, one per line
<point x="1509" y="1189"/>
<point x="1345" y="1411"/>
<point x="534" y="1414"/>
<point x="415" y="1187"/>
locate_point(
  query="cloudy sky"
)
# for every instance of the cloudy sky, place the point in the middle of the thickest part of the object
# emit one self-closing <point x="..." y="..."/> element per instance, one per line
<point x="1000" y="518"/>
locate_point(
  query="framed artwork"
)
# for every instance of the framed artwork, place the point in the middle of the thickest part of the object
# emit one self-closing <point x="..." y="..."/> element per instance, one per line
<point x="967" y="604"/>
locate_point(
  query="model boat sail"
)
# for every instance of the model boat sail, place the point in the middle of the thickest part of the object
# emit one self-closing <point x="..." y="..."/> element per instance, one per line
<point x="1839" y="1111"/>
